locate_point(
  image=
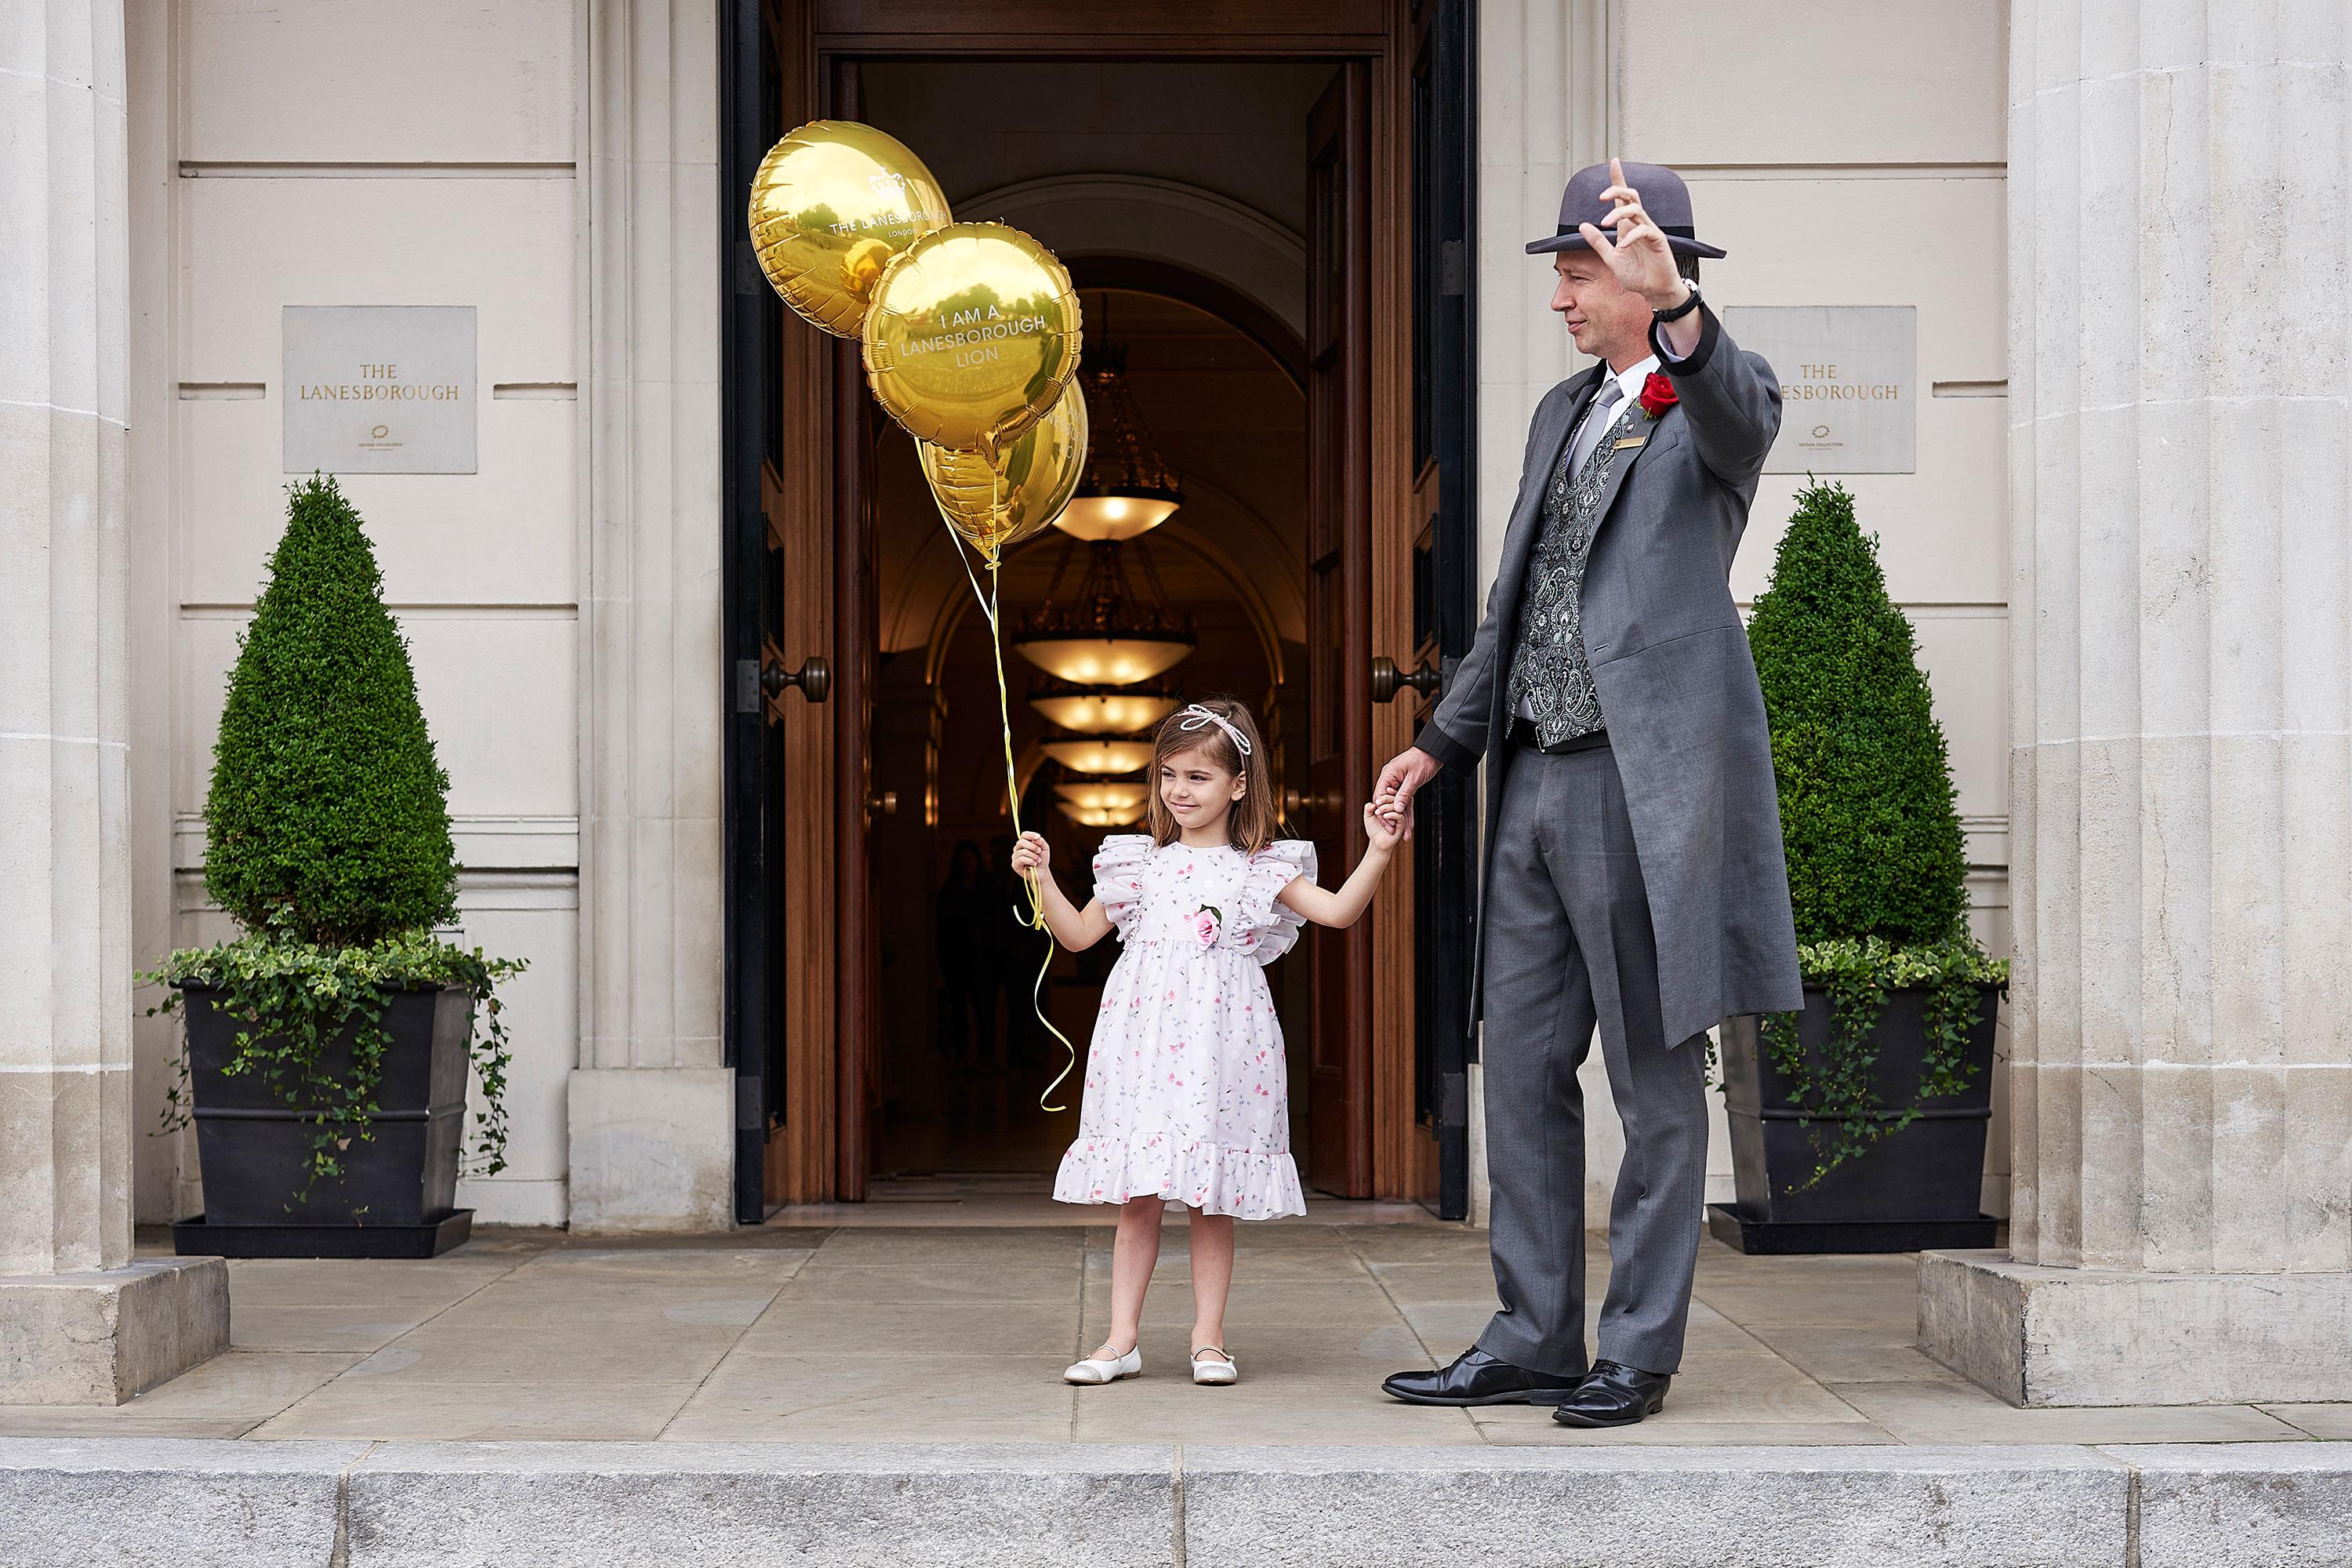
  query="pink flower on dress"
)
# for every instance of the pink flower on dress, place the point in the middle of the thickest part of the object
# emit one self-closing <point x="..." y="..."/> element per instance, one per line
<point x="1205" y="922"/>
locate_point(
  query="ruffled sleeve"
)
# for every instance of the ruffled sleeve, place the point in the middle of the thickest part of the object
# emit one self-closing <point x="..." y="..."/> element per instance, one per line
<point x="1264" y="927"/>
<point x="1119" y="878"/>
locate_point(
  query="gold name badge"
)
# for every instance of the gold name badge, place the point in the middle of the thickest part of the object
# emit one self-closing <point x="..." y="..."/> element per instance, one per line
<point x="1629" y="441"/>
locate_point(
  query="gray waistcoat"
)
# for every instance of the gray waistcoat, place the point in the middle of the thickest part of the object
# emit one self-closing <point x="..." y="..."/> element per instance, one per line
<point x="1548" y="673"/>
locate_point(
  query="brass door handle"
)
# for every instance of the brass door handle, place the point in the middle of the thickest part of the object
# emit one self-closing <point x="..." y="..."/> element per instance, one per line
<point x="886" y="803"/>
<point x="1296" y="801"/>
<point x="814" y="678"/>
<point x="1387" y="678"/>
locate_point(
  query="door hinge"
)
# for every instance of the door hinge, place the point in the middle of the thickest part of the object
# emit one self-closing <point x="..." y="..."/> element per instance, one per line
<point x="747" y="686"/>
<point x="1454" y="1099"/>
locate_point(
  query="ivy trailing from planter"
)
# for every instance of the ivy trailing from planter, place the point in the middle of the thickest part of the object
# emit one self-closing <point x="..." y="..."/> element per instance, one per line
<point x="1877" y="870"/>
<point x="1856" y="974"/>
<point x="291" y="1000"/>
<point x="327" y="837"/>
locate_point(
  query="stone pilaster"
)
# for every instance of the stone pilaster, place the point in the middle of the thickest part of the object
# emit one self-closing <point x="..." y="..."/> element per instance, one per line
<point x="79" y="1321"/>
<point x="652" y="1106"/>
<point x="2181" y="625"/>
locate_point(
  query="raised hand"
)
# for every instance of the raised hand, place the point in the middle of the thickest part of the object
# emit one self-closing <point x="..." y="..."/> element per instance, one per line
<point x="1640" y="257"/>
<point x="1031" y="854"/>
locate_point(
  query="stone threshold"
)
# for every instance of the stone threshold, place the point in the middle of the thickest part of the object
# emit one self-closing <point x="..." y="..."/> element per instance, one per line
<point x="191" y="1503"/>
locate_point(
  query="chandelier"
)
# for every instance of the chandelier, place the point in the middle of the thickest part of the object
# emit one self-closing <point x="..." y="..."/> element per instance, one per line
<point x="1103" y="795"/>
<point x="1102" y="710"/>
<point x="1099" y="754"/>
<point x="1127" y="487"/>
<point x="1103" y="634"/>
<point x="1102" y="816"/>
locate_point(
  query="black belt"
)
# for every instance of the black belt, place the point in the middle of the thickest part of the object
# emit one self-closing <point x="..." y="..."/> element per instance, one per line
<point x="1524" y="734"/>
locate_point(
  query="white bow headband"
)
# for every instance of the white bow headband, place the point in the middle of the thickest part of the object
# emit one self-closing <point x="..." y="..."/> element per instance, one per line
<point x="1195" y="717"/>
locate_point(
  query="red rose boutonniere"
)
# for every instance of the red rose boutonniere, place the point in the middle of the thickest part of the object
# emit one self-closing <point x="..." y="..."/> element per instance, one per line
<point x="1658" y="393"/>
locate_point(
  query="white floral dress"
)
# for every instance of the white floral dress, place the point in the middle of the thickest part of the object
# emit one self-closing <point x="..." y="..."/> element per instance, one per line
<point x="1186" y="1091"/>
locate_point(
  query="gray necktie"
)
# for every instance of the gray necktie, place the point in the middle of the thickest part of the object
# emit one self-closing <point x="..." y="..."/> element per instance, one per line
<point x="1596" y="425"/>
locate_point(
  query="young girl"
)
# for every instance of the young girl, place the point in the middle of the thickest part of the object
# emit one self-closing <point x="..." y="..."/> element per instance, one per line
<point x="1185" y="1080"/>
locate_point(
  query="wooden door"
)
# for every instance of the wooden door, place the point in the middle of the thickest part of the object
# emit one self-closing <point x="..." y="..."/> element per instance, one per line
<point x="1338" y="617"/>
<point x="857" y="429"/>
<point x="1444" y="603"/>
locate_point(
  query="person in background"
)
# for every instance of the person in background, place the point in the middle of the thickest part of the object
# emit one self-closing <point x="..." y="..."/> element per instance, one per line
<point x="968" y="973"/>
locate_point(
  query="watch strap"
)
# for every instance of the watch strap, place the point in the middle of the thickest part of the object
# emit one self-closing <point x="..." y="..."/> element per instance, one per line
<point x="1690" y="303"/>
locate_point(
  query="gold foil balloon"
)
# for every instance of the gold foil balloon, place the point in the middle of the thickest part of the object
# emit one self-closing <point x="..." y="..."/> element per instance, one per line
<point x="996" y="510"/>
<point x="972" y="337"/>
<point x="833" y="204"/>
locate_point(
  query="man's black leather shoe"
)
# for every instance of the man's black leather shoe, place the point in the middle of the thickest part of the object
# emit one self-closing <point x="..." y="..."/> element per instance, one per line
<point x="1477" y="1378"/>
<point x="1613" y="1394"/>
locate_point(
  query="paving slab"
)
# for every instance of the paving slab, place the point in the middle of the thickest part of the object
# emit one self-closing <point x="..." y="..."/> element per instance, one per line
<point x="799" y="1327"/>
<point x="952" y="1283"/>
<point x="2333" y="1421"/>
<point x="423" y="1284"/>
<point x="1842" y="1355"/>
<point x="1963" y="1413"/>
<point x="362" y="1328"/>
<point x="881" y="1398"/>
<point x="387" y="1407"/>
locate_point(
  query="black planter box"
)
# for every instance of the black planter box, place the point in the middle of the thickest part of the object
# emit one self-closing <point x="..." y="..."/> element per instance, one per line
<point x="1916" y="1188"/>
<point x="399" y="1188"/>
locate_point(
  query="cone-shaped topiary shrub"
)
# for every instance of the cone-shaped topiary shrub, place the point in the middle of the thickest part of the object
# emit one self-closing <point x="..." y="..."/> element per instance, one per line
<point x="1877" y="871"/>
<point x="329" y="818"/>
<point x="1867" y="805"/>
<point x="328" y="838"/>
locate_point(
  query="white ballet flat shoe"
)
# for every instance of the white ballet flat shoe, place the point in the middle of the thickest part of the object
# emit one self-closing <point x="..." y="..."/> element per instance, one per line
<point x="1214" y="1372"/>
<point x="1105" y="1369"/>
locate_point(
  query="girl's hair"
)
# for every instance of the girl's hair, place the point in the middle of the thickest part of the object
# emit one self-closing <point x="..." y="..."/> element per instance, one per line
<point x="1252" y="822"/>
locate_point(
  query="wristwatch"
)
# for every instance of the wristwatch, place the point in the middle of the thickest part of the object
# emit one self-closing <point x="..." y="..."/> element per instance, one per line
<point x="1690" y="303"/>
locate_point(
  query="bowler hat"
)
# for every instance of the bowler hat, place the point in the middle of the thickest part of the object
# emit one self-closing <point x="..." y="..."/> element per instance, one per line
<point x="1663" y="196"/>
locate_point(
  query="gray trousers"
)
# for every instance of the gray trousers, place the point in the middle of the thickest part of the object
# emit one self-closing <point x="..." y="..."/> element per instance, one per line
<point x="1568" y="945"/>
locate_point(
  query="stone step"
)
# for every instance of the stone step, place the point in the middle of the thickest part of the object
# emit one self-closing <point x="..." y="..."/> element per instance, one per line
<point x="190" y="1503"/>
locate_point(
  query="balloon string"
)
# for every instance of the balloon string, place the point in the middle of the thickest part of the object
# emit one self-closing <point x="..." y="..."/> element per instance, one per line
<point x="1033" y="917"/>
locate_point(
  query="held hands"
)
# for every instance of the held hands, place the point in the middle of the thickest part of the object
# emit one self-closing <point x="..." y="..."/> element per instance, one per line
<point x="1384" y="822"/>
<point x="1640" y="259"/>
<point x="1406" y="773"/>
<point x="1031" y="854"/>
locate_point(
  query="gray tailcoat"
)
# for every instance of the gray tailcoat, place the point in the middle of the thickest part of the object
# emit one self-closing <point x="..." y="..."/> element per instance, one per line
<point x="1670" y="662"/>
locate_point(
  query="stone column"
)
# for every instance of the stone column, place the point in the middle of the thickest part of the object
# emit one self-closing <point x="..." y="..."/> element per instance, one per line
<point x="80" y="1321"/>
<point x="2181" y="616"/>
<point x="652" y="1105"/>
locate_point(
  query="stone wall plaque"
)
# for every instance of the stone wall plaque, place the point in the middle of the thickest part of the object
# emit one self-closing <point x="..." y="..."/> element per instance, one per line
<point x="1848" y="383"/>
<point x="380" y="389"/>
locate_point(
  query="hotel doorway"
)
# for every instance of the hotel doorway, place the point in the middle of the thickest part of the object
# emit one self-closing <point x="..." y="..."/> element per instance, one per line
<point x="1271" y="278"/>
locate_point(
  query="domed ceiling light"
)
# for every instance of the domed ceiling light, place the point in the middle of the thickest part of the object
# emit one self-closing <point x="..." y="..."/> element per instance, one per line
<point x="1103" y="634"/>
<point x="1127" y="487"/>
<point x="1102" y="816"/>
<point x="1105" y="794"/>
<point x="1100" y="755"/>
<point x="1102" y="710"/>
